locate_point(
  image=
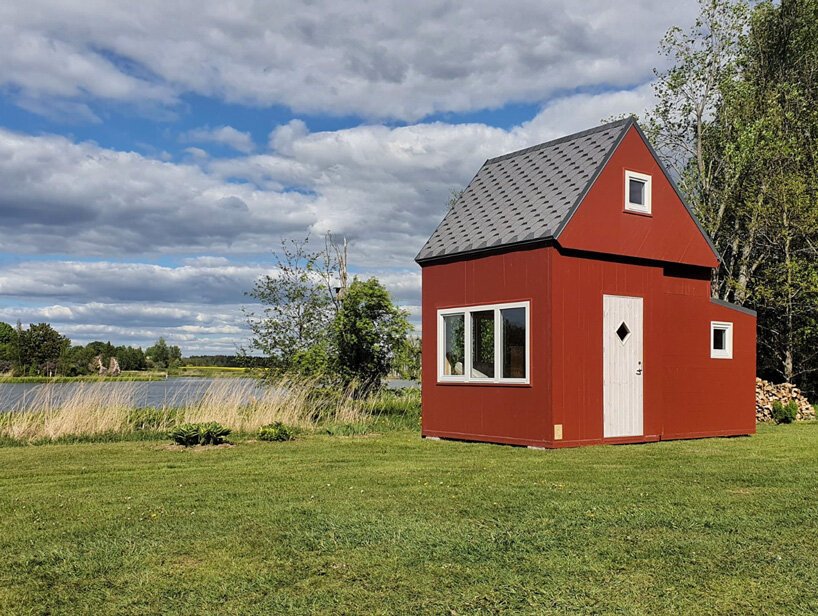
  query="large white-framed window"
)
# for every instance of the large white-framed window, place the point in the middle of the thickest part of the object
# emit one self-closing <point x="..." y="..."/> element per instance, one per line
<point x="484" y="344"/>
<point x="637" y="192"/>
<point x="721" y="340"/>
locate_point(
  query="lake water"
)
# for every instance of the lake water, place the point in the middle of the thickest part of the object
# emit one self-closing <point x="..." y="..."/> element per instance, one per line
<point x="169" y="392"/>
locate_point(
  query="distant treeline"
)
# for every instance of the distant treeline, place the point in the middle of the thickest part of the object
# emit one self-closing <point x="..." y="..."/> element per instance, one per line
<point x="40" y="350"/>
<point x="226" y="361"/>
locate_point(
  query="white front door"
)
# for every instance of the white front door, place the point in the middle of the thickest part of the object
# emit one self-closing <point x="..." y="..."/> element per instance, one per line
<point x="622" y="365"/>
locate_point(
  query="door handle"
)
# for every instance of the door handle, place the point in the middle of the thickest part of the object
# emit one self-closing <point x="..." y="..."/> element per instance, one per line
<point x="639" y="369"/>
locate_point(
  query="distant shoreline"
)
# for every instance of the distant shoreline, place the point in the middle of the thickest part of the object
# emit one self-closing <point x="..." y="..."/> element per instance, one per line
<point x="214" y="372"/>
<point x="86" y="378"/>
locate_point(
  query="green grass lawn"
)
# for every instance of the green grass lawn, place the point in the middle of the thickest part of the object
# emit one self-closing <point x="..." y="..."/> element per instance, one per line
<point x="392" y="524"/>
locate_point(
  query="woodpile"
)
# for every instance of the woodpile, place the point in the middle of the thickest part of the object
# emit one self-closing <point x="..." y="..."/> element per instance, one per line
<point x="767" y="393"/>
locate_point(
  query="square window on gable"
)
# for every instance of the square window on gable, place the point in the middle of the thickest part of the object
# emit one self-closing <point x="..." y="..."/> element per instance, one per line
<point x="637" y="192"/>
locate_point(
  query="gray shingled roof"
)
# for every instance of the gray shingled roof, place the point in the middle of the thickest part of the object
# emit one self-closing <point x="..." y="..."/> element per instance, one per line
<point x="525" y="196"/>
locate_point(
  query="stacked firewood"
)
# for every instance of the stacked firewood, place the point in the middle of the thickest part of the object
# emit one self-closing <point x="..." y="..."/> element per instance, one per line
<point x="767" y="393"/>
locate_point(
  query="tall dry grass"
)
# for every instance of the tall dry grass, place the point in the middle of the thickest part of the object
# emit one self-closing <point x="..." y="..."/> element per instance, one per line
<point x="293" y="401"/>
<point x="90" y="409"/>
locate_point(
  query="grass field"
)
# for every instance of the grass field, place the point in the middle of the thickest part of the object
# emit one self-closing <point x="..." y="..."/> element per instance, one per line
<point x="390" y="524"/>
<point x="219" y="372"/>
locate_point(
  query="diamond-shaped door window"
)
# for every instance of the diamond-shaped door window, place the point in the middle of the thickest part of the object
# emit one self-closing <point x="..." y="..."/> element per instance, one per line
<point x="623" y="332"/>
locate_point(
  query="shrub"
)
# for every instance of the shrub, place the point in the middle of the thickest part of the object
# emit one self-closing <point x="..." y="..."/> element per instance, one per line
<point x="212" y="433"/>
<point x="275" y="432"/>
<point x="188" y="435"/>
<point x="784" y="413"/>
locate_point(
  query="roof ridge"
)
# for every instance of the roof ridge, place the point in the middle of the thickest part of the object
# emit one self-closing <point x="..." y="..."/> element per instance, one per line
<point x="582" y="133"/>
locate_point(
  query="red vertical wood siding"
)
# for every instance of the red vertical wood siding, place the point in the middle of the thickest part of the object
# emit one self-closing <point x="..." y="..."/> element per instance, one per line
<point x="686" y="393"/>
<point x="704" y="396"/>
<point x="576" y="321"/>
<point x="600" y="224"/>
<point x="514" y="414"/>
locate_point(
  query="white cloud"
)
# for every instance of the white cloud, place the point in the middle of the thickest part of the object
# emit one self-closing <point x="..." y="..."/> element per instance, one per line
<point x="383" y="60"/>
<point x="206" y="280"/>
<point x="197" y="305"/>
<point x="384" y="188"/>
<point x="198" y="153"/>
<point x="225" y="135"/>
<point x="79" y="198"/>
<point x="195" y="328"/>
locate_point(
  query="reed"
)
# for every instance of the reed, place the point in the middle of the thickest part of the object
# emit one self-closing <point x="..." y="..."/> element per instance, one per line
<point x="100" y="408"/>
<point x="87" y="409"/>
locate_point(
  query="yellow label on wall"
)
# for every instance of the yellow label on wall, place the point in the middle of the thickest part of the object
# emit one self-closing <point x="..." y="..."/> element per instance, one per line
<point x="557" y="432"/>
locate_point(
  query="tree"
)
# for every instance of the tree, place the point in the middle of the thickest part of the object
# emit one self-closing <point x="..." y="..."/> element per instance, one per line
<point x="163" y="356"/>
<point x="312" y="321"/>
<point x="737" y="119"/>
<point x="688" y="95"/>
<point x="174" y="356"/>
<point x="368" y="331"/>
<point x="454" y="197"/>
<point x="8" y="347"/>
<point x="298" y="303"/>
<point x="131" y="358"/>
<point x="408" y="357"/>
<point x="41" y="347"/>
<point x="780" y="92"/>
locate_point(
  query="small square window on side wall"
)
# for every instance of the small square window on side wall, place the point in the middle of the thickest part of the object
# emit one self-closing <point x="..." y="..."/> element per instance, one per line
<point x="637" y="192"/>
<point x="721" y="340"/>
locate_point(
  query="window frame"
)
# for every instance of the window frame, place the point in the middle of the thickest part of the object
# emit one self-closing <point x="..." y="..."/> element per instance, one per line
<point x="466" y="377"/>
<point x="638" y="208"/>
<point x="727" y="351"/>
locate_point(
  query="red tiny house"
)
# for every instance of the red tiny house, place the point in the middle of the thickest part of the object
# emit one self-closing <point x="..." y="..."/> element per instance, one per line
<point x="566" y="301"/>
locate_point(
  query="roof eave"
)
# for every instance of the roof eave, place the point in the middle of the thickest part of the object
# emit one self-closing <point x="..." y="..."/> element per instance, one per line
<point x="731" y="306"/>
<point x="481" y="252"/>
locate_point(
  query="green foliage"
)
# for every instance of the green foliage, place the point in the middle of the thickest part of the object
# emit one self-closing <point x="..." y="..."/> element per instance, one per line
<point x="132" y="358"/>
<point x="40" y="351"/>
<point x="186" y="435"/>
<point x="275" y="432"/>
<point x="784" y="413"/>
<point x="367" y="331"/>
<point x="191" y="434"/>
<point x="8" y="347"/>
<point x="736" y="119"/>
<point x="404" y="401"/>
<point x="41" y="348"/>
<point x="407" y="363"/>
<point x="310" y="326"/>
<point x="296" y="308"/>
<point x="163" y="356"/>
<point x="212" y="433"/>
<point x="314" y="360"/>
<point x="240" y="360"/>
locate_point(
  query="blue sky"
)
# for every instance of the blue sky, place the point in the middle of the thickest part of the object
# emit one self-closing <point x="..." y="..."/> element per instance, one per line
<point x="152" y="158"/>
